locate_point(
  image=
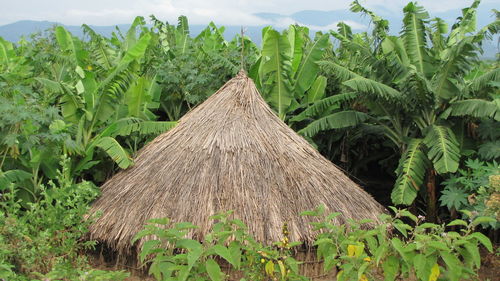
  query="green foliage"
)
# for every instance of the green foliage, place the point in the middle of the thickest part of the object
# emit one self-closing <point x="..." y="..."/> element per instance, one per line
<point x="421" y="251"/>
<point x="475" y="189"/>
<point x="42" y="241"/>
<point x="410" y="88"/>
<point x="411" y="173"/>
<point x="171" y="256"/>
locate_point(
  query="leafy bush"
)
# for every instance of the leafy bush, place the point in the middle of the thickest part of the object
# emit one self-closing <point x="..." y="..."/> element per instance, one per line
<point x="43" y="240"/>
<point x="423" y="251"/>
<point x="173" y="257"/>
<point x="476" y="189"/>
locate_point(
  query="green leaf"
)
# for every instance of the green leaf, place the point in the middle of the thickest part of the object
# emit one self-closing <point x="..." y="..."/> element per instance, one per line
<point x="411" y="172"/>
<point x="438" y="245"/>
<point x="12" y="176"/>
<point x="70" y="44"/>
<point x="369" y="86"/>
<point x="317" y="90"/>
<point x="213" y="270"/>
<point x="444" y="150"/>
<point x="483" y="240"/>
<point x="391" y="268"/>
<point x="480" y="220"/>
<point x="483" y="82"/>
<point x="277" y="67"/>
<point x="343" y="119"/>
<point x="457" y="222"/>
<point x="115" y="151"/>
<point x="137" y="50"/>
<point x="473" y="251"/>
<point x="225" y="254"/>
<point x="454" y="266"/>
<point x="308" y="69"/>
<point x="297" y="35"/>
<point x="459" y="59"/>
<point x="414" y="37"/>
<point x="270" y="268"/>
<point x="476" y="108"/>
<point x="336" y="70"/>
<point x="322" y="105"/>
<point x="453" y="197"/>
<point x="147" y="247"/>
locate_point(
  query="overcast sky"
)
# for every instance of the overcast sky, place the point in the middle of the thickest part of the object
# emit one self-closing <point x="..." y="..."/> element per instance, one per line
<point x="223" y="12"/>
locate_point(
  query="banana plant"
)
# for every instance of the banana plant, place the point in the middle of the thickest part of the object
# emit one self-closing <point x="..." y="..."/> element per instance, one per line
<point x="103" y="90"/>
<point x="287" y="71"/>
<point x="412" y="90"/>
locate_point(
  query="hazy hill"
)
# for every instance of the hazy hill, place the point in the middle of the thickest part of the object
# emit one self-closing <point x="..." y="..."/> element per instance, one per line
<point x="316" y="20"/>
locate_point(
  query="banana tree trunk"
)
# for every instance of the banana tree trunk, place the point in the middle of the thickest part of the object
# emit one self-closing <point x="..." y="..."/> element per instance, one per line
<point x="431" y="196"/>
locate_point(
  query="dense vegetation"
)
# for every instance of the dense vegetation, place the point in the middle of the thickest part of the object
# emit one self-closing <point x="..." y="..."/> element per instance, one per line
<point x="417" y="108"/>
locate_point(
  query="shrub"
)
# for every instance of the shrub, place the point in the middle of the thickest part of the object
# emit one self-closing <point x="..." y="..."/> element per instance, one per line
<point x="44" y="239"/>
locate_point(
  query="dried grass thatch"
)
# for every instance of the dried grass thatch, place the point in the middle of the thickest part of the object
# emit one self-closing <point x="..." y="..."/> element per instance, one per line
<point x="230" y="153"/>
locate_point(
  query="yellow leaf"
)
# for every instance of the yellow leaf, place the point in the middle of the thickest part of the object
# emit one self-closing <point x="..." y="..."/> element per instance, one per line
<point x="282" y="269"/>
<point x="367" y="259"/>
<point x="351" y="250"/>
<point x="434" y="273"/>
<point x="270" y="268"/>
<point x="363" y="278"/>
<point x="339" y="275"/>
<point x="355" y="250"/>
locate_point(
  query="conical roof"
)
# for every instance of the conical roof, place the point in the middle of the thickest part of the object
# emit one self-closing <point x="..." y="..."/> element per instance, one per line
<point x="230" y="153"/>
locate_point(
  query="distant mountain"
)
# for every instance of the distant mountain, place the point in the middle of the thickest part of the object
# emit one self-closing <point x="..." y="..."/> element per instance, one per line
<point x="316" y="20"/>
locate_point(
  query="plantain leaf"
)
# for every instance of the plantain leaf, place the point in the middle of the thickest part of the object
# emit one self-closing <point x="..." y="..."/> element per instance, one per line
<point x="317" y="90"/>
<point x="414" y="37"/>
<point x="276" y="49"/>
<point x="369" y="86"/>
<point x="443" y="149"/>
<point x="308" y="69"/>
<point x="337" y="120"/>
<point x="410" y="172"/>
<point x="476" y="108"/>
<point x="114" y="150"/>
<point x="320" y="106"/>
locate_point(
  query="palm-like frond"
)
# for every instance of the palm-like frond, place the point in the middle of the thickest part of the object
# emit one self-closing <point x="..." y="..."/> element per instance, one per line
<point x="476" y="108"/>
<point x="415" y="38"/>
<point x="490" y="150"/>
<point x="372" y="87"/>
<point x="146" y="127"/>
<point x="322" y="105"/>
<point x="336" y="70"/>
<point x="337" y="120"/>
<point x="459" y="60"/>
<point x="12" y="176"/>
<point x="115" y="151"/>
<point x="308" y="68"/>
<point x="484" y="81"/>
<point x="439" y="29"/>
<point x="317" y="90"/>
<point x="465" y="24"/>
<point x="411" y="172"/>
<point x="381" y="25"/>
<point x="443" y="149"/>
<point x="278" y="66"/>
<point x="102" y="53"/>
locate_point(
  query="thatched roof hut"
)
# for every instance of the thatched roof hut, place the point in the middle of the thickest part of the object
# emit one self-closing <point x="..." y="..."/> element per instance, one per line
<point x="230" y="153"/>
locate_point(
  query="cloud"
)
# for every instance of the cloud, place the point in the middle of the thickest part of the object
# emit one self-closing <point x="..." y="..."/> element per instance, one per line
<point x="284" y="22"/>
<point x="224" y="12"/>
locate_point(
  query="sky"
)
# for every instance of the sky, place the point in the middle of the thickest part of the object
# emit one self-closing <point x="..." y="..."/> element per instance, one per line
<point x="222" y="12"/>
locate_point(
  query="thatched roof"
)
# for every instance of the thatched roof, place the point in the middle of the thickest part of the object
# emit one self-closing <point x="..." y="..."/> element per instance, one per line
<point x="230" y="153"/>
